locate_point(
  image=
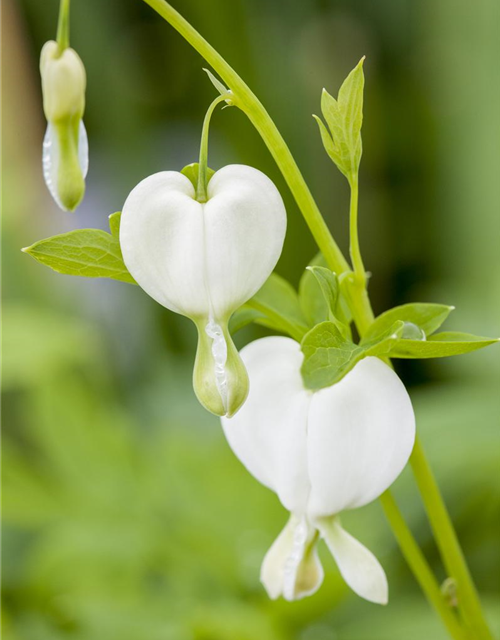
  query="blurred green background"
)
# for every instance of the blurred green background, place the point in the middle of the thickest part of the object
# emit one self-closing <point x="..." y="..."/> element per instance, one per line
<point x="125" y="515"/>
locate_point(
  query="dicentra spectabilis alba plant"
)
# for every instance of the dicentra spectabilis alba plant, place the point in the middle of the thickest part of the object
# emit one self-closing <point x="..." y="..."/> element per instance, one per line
<point x="323" y="452"/>
<point x="327" y="425"/>
<point x="65" y="146"/>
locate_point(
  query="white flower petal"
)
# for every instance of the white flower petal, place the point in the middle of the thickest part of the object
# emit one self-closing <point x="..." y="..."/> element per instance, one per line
<point x="245" y="225"/>
<point x="291" y="567"/>
<point x="203" y="260"/>
<point x="360" y="436"/>
<point x="358" y="566"/>
<point x="268" y="434"/>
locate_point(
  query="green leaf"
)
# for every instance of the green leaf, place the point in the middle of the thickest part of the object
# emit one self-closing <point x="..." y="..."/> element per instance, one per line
<point x="328" y="356"/>
<point x="427" y="316"/>
<point x="114" y="223"/>
<point x="191" y="171"/>
<point x="275" y="306"/>
<point x="91" y="253"/>
<point x="440" y="345"/>
<point x="344" y="118"/>
<point x="328" y="284"/>
<point x="312" y="302"/>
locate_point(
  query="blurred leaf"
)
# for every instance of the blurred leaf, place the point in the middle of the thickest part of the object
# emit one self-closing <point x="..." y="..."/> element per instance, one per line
<point x="275" y="306"/>
<point x="344" y="118"/>
<point x="91" y="253"/>
<point x="427" y="316"/>
<point x="38" y="344"/>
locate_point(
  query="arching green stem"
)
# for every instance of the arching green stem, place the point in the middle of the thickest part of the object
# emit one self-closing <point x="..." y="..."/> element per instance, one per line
<point x="63" y="26"/>
<point x="246" y="100"/>
<point x="201" y="189"/>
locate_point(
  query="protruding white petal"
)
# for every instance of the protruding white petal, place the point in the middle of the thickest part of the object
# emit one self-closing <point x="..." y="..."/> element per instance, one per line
<point x="291" y="567"/>
<point x="360" y="436"/>
<point x="51" y="158"/>
<point x="269" y="432"/>
<point x="358" y="566"/>
<point x="203" y="260"/>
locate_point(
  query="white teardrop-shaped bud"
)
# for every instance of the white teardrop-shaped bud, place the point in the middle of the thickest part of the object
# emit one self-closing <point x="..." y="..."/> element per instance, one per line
<point x="204" y="260"/>
<point x="65" y="146"/>
<point x="324" y="452"/>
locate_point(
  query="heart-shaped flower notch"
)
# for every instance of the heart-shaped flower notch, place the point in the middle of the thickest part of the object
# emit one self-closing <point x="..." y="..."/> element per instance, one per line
<point x="323" y="453"/>
<point x="204" y="260"/>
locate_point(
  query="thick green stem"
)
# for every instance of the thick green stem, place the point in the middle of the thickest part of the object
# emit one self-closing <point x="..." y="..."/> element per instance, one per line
<point x="449" y="547"/>
<point x="360" y="303"/>
<point x="201" y="189"/>
<point x="63" y="26"/>
<point x="419" y="566"/>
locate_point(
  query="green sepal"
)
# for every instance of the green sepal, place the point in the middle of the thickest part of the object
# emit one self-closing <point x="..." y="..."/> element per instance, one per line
<point x="427" y="316"/>
<point x="91" y="253"/>
<point x="275" y="306"/>
<point x="191" y="171"/>
<point x="204" y="378"/>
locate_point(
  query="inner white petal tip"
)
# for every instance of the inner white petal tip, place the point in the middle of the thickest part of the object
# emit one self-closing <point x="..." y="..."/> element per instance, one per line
<point x="219" y="354"/>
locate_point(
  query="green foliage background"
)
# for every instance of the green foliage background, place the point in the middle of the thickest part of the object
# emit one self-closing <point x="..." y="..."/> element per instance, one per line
<point x="125" y="515"/>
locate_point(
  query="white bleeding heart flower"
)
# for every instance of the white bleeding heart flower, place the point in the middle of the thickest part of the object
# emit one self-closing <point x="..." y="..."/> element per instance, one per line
<point x="323" y="453"/>
<point x="204" y="260"/>
<point x="65" y="146"/>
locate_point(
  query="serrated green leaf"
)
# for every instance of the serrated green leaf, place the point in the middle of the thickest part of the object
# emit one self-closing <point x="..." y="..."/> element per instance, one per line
<point x="114" y="223"/>
<point x="440" y="345"/>
<point x="191" y="171"/>
<point x="91" y="253"/>
<point x="427" y="316"/>
<point x="277" y="307"/>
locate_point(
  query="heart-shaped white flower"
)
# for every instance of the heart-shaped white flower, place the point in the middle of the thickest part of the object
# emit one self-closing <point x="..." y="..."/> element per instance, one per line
<point x="204" y="260"/>
<point x="322" y="453"/>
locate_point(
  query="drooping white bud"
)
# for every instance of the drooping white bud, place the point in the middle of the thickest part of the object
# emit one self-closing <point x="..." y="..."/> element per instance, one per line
<point x="65" y="146"/>
<point x="204" y="260"/>
<point x="324" y="452"/>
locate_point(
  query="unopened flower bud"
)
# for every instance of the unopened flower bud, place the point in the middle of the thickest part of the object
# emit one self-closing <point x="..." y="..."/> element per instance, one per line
<point x="65" y="146"/>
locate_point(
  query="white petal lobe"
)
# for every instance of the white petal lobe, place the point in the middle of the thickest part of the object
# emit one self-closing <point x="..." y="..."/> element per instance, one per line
<point x="358" y="566"/>
<point x="269" y="433"/>
<point x="360" y="436"/>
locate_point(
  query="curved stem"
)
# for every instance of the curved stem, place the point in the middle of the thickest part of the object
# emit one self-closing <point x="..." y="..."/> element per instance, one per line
<point x="360" y="303"/>
<point x="449" y="547"/>
<point x="63" y="26"/>
<point x="201" y="188"/>
<point x="246" y="100"/>
<point x="419" y="566"/>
